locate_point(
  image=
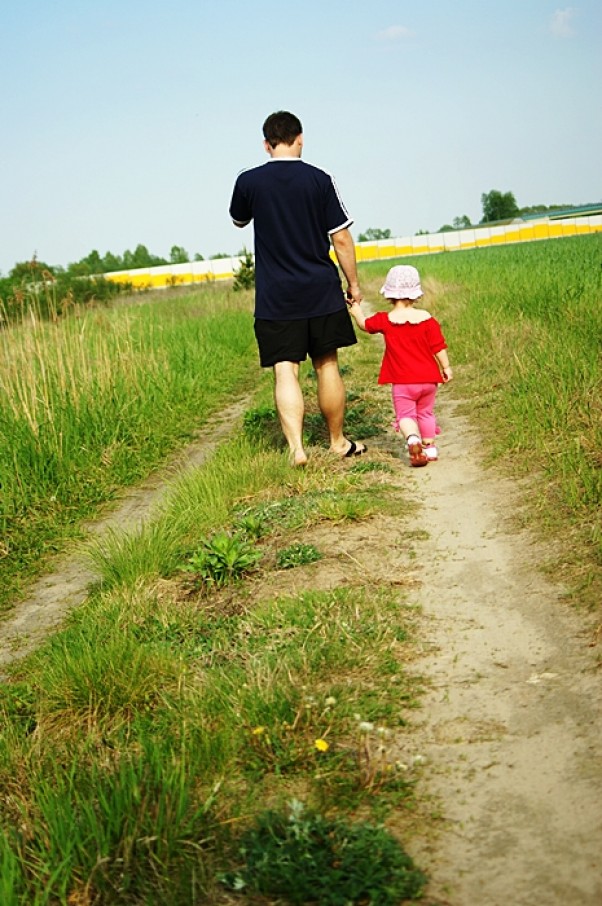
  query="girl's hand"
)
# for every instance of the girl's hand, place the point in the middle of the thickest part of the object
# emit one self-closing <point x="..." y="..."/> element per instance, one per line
<point x="448" y="374"/>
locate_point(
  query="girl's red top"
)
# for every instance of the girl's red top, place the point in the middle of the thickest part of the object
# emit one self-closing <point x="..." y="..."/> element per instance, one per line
<point x="409" y="350"/>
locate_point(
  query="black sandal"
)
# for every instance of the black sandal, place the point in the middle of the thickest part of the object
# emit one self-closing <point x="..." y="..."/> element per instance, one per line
<point x="354" y="450"/>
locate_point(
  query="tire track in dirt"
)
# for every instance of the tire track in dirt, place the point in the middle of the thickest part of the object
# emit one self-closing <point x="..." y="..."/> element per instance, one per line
<point x="52" y="596"/>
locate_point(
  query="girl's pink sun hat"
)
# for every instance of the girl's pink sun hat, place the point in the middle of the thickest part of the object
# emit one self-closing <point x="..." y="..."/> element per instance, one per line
<point x="403" y="282"/>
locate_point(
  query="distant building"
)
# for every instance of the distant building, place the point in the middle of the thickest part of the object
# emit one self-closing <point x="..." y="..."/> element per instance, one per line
<point x="586" y="210"/>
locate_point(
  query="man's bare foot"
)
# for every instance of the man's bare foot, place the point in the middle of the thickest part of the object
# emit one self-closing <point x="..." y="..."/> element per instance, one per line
<point x="298" y="458"/>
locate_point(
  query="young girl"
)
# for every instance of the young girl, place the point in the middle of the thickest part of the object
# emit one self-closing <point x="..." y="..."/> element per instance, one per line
<point x="415" y="360"/>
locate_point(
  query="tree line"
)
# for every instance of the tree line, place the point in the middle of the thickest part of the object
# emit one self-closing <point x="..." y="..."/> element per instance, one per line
<point x="95" y="265"/>
<point x="139" y="258"/>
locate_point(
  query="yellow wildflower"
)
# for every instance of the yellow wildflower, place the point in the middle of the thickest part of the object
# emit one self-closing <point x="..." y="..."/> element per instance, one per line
<point x="321" y="745"/>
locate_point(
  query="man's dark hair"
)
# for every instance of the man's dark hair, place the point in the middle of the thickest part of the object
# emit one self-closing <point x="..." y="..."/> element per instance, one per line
<point x="281" y="128"/>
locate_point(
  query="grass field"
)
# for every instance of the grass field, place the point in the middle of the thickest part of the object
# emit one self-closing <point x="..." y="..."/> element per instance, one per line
<point x="191" y="716"/>
<point x="92" y="402"/>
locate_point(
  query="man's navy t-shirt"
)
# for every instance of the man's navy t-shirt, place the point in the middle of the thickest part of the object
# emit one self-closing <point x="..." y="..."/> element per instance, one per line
<point x="295" y="207"/>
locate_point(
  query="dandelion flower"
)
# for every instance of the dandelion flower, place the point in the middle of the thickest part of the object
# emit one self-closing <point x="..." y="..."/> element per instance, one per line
<point x="366" y="726"/>
<point x="321" y="745"/>
<point x="330" y="701"/>
<point x="258" y="731"/>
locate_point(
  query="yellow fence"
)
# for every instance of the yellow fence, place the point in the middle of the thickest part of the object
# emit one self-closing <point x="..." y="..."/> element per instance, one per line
<point x="456" y="240"/>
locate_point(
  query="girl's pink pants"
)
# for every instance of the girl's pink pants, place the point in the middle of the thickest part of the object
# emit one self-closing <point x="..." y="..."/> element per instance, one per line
<point x="416" y="401"/>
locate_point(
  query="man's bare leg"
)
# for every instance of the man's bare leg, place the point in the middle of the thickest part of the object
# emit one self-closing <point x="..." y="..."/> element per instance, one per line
<point x="331" y="400"/>
<point x="290" y="407"/>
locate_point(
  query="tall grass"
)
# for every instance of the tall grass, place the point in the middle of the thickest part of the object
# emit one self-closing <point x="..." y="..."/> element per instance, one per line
<point x="112" y="830"/>
<point x="90" y="402"/>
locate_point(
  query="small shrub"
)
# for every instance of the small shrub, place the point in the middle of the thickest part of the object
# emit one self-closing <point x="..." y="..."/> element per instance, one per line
<point x="306" y="858"/>
<point x="245" y="275"/>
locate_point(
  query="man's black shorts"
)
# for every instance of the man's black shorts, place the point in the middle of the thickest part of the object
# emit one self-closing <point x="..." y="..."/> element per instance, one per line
<point x="293" y="341"/>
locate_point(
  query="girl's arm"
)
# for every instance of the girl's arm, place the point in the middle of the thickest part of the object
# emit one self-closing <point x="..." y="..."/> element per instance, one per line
<point x="357" y="314"/>
<point x="443" y="361"/>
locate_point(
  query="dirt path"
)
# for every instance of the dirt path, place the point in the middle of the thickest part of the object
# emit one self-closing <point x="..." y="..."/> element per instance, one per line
<point x="510" y="728"/>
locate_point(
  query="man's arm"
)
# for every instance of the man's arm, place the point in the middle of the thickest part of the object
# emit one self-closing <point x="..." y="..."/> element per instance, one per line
<point x="344" y="249"/>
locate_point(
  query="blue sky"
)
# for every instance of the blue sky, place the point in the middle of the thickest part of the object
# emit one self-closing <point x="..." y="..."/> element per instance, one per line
<point x="126" y="121"/>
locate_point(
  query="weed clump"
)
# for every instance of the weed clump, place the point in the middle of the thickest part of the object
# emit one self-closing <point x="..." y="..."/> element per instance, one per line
<point x="222" y="559"/>
<point x="297" y="554"/>
<point x="307" y="858"/>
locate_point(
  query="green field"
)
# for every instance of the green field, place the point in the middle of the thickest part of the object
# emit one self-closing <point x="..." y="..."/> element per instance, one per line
<point x="157" y="750"/>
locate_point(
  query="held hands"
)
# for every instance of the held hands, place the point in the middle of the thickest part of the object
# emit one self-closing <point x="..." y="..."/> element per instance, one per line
<point x="353" y="296"/>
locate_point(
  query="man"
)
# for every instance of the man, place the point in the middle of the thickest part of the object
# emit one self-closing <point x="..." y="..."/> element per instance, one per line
<point x="299" y="305"/>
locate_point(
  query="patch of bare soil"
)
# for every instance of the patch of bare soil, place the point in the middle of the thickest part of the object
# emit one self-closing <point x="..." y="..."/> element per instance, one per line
<point x="509" y="732"/>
